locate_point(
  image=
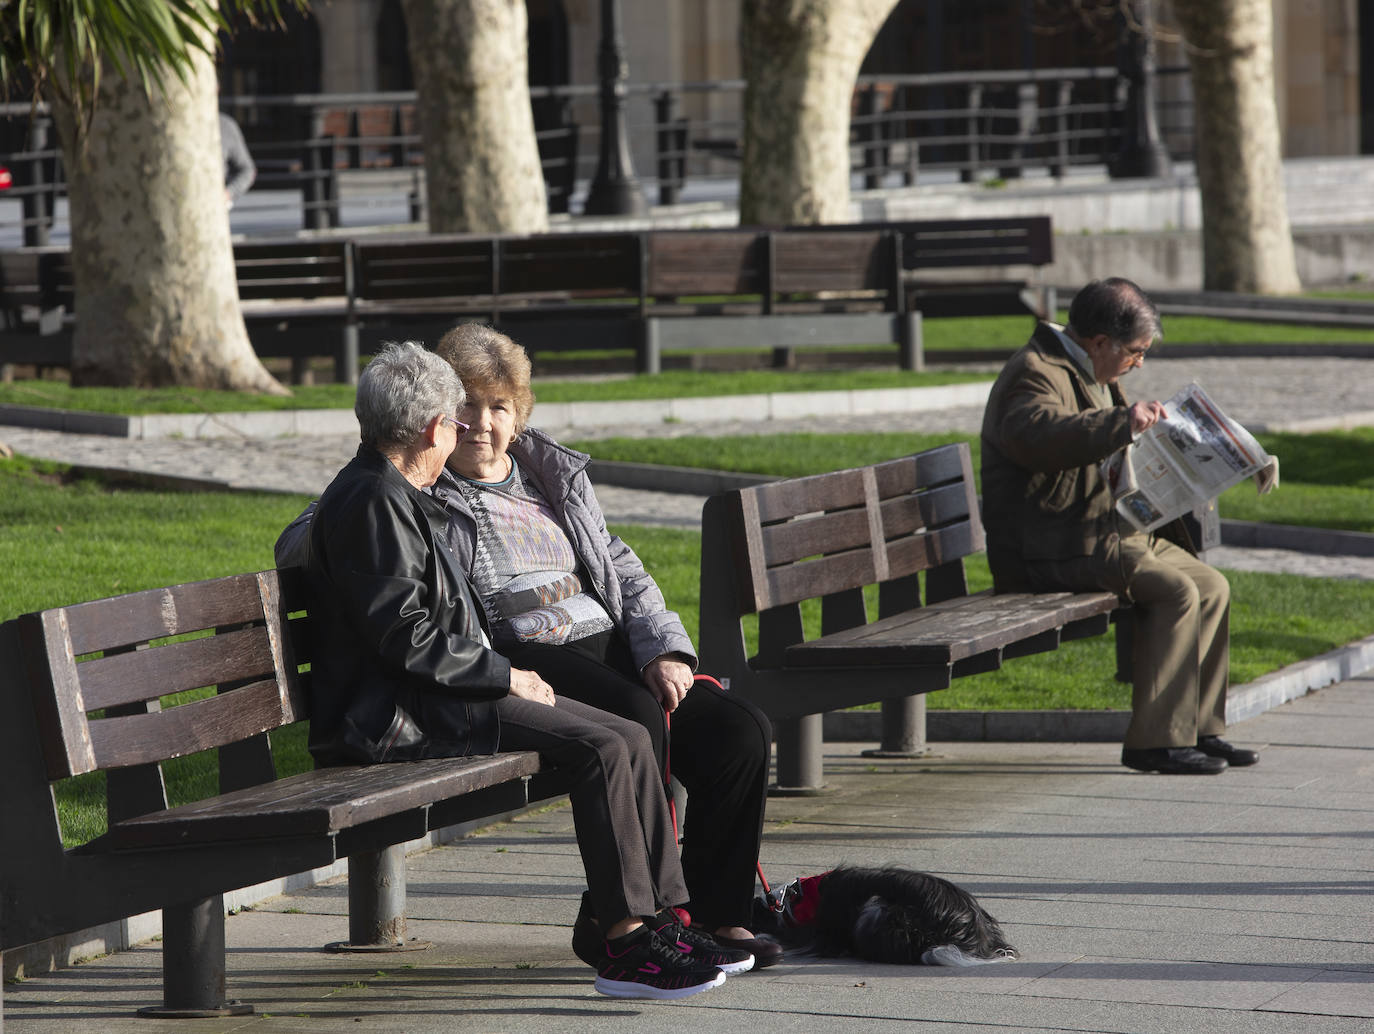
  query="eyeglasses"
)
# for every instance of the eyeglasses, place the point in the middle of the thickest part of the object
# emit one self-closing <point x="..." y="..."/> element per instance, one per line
<point x="1135" y="356"/>
<point x="458" y="425"/>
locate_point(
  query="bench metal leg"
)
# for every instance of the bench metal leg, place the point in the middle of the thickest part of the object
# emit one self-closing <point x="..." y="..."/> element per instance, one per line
<point x="346" y="361"/>
<point x="798" y="756"/>
<point x="904" y="729"/>
<point x="193" y="963"/>
<point x="1125" y="646"/>
<point x="909" y="341"/>
<point x="377" y="903"/>
<point x="650" y="346"/>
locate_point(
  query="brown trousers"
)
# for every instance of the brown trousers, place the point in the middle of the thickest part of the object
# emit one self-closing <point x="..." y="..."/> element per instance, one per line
<point x="1182" y="655"/>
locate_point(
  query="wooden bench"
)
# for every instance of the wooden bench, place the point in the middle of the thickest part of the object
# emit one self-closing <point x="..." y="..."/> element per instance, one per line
<point x="642" y="291"/>
<point x="903" y="525"/>
<point x="957" y="267"/>
<point x="35" y="305"/>
<point x="297" y="299"/>
<point x="88" y="688"/>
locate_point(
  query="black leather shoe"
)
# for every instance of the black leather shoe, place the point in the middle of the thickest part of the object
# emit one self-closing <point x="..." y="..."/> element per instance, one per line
<point x="1172" y="761"/>
<point x="1236" y="757"/>
<point x="766" y="951"/>
<point x="587" y="942"/>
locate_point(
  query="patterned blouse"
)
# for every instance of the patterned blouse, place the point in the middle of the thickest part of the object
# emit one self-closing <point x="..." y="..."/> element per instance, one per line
<point x="524" y="567"/>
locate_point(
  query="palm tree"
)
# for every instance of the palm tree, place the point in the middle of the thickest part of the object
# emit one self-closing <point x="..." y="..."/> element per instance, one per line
<point x="131" y="85"/>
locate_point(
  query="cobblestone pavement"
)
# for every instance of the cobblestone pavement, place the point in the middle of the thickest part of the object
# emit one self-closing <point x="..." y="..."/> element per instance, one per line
<point x="1258" y="392"/>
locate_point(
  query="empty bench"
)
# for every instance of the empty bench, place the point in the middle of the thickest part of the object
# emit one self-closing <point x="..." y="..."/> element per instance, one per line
<point x="296" y="295"/>
<point x="905" y="526"/>
<point x="103" y="687"/>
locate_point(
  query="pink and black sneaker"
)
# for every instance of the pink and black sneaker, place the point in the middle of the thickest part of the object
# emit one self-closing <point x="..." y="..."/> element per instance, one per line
<point x="643" y="965"/>
<point x="700" y="946"/>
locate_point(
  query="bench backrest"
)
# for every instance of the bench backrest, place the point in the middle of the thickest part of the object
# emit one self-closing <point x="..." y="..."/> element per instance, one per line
<point x="812" y="537"/>
<point x="294" y="269"/>
<point x="437" y="267"/>
<point x="100" y="671"/>
<point x="769" y="263"/>
<point x="951" y="243"/>
<point x="545" y="265"/>
<point x="36" y="277"/>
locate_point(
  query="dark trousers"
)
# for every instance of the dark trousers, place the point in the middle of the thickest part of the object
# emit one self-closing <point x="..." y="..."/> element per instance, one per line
<point x="720" y="747"/>
<point x="624" y="830"/>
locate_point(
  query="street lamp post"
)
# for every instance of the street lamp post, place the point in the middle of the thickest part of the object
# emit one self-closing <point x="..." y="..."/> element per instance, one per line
<point x="614" y="190"/>
<point x="1142" y="151"/>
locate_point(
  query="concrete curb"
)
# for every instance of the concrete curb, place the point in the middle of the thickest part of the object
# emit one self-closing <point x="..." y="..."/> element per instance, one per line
<point x="268" y="424"/>
<point x="1242" y="702"/>
<point x="781" y="405"/>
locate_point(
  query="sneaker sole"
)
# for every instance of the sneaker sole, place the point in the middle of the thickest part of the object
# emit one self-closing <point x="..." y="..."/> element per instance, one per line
<point x="634" y="989"/>
<point x="737" y="967"/>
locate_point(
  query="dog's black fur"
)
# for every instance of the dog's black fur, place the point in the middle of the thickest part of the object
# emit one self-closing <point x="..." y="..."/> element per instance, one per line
<point x="889" y="915"/>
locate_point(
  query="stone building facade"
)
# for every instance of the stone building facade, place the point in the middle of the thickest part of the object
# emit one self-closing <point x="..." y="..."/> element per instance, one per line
<point x="1324" y="53"/>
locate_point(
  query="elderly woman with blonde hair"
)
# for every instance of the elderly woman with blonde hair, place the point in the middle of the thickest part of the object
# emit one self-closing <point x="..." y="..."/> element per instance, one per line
<point x="569" y="600"/>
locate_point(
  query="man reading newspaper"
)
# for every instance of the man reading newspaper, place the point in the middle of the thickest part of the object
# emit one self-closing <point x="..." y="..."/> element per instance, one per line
<point x="1055" y="413"/>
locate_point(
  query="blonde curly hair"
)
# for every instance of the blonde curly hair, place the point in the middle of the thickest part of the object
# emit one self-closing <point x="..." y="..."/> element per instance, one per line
<point x="490" y="363"/>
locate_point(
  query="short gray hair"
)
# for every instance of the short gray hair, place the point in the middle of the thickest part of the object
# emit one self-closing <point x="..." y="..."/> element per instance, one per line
<point x="401" y="390"/>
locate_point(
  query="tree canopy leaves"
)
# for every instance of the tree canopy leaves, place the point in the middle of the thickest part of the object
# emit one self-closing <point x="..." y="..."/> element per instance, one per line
<point x="64" y="44"/>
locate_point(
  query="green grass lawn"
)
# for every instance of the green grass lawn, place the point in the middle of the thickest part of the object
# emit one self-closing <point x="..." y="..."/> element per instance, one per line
<point x="1327" y="478"/>
<point x="64" y="539"/>
<point x="993" y="334"/>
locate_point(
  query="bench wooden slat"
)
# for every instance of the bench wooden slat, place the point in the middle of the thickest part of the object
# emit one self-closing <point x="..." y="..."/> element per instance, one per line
<point x="321" y="801"/>
<point x="706" y="262"/>
<point x="126" y="678"/>
<point x="188" y="728"/>
<point x="943" y="633"/>
<point x="563" y="263"/>
<point x="833" y="262"/>
<point x="156" y="613"/>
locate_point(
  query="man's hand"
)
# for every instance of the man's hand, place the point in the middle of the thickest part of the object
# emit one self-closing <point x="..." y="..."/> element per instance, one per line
<point x="527" y="685"/>
<point x="669" y="678"/>
<point x="1145" y="415"/>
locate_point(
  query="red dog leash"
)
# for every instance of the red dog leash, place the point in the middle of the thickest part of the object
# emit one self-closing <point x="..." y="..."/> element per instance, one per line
<point x="668" y="776"/>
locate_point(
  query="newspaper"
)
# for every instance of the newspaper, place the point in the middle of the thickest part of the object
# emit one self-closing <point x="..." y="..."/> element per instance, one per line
<point x="1188" y="458"/>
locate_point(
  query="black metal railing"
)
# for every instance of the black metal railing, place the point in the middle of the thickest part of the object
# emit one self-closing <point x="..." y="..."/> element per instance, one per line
<point x="319" y="151"/>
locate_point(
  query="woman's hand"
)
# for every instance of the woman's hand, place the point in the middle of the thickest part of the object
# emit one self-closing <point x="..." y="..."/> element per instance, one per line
<point x="669" y="678"/>
<point x="527" y="685"/>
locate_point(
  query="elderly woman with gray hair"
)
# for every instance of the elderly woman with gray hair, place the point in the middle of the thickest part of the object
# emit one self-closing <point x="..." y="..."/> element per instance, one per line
<point x="404" y="671"/>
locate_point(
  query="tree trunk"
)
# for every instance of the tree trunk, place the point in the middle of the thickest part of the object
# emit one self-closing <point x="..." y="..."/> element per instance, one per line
<point x="156" y="294"/>
<point x="1247" y="243"/>
<point x="800" y="59"/>
<point x="482" y="168"/>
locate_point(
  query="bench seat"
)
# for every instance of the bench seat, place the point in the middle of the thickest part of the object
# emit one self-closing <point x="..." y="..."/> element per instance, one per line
<point x="218" y="668"/>
<point x="323" y="802"/>
<point x="958" y="630"/>
<point x="904" y="526"/>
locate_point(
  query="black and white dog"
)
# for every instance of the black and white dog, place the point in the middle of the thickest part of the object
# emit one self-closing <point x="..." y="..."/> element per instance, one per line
<point x="883" y="915"/>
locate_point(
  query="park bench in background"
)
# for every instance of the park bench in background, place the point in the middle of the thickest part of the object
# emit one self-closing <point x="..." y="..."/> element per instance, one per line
<point x="1315" y="312"/>
<point x="643" y="291"/>
<point x="86" y="690"/>
<point x="296" y="295"/>
<point x="903" y="525"/>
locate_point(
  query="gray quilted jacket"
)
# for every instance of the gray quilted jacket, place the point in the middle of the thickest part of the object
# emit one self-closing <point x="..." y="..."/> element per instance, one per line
<point x="630" y="595"/>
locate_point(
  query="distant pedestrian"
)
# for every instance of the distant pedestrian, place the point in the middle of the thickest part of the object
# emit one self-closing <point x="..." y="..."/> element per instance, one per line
<point x="239" y="170"/>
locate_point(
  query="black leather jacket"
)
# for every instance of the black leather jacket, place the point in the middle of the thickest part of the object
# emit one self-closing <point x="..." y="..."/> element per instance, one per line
<point x="398" y="668"/>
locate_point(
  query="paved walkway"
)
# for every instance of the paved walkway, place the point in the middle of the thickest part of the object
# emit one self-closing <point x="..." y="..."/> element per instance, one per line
<point x="1236" y="904"/>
